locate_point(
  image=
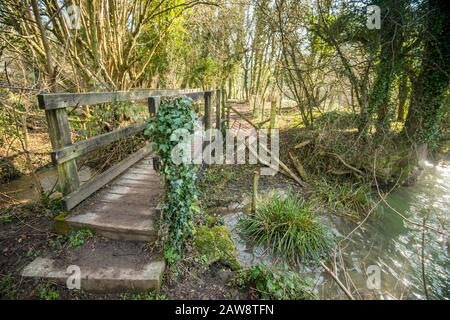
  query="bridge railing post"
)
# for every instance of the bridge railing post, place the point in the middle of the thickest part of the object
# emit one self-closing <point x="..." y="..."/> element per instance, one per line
<point x="60" y="137"/>
<point x="153" y="105"/>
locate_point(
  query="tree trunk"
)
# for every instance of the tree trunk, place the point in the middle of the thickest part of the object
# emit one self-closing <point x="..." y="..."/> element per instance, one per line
<point x="429" y="90"/>
<point x="402" y="96"/>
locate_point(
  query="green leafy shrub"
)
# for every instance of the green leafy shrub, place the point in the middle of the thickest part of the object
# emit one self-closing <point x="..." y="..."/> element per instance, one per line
<point x="275" y="284"/>
<point x="77" y="238"/>
<point x="288" y="228"/>
<point x="175" y="115"/>
<point x="46" y="292"/>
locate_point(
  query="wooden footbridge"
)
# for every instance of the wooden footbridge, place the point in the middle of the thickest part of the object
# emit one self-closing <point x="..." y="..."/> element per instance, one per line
<point x="120" y="203"/>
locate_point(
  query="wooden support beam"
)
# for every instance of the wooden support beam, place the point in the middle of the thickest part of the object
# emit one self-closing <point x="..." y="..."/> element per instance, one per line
<point x="74" y="198"/>
<point x="218" y="106"/>
<point x="64" y="100"/>
<point x="60" y="137"/>
<point x="83" y="147"/>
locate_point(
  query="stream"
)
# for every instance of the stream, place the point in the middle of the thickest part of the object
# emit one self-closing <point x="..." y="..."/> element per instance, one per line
<point x="385" y="245"/>
<point x="23" y="189"/>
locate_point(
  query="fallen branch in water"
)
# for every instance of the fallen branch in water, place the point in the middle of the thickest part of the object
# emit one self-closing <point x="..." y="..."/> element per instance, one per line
<point x="341" y="285"/>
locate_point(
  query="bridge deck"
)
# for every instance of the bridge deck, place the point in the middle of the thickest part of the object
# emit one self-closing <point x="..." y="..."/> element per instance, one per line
<point x="126" y="208"/>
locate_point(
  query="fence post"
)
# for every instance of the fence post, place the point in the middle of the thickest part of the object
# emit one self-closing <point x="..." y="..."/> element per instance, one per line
<point x="59" y="132"/>
<point x="153" y="105"/>
<point x="223" y="112"/>
<point x="227" y="108"/>
<point x="208" y="106"/>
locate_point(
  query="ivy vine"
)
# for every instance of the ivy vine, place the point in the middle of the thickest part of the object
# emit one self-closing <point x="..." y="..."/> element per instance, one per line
<point x="180" y="200"/>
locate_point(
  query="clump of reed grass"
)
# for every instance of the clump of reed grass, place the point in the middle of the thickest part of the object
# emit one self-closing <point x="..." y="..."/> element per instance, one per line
<point x="286" y="226"/>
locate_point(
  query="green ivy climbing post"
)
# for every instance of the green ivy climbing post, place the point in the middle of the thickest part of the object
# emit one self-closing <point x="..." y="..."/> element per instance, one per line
<point x="180" y="198"/>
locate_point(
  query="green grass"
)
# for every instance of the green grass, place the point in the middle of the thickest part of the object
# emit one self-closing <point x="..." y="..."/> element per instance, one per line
<point x="287" y="227"/>
<point x="273" y="284"/>
<point x="352" y="200"/>
<point x="8" y="288"/>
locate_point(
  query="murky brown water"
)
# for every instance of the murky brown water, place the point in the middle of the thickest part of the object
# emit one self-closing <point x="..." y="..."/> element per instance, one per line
<point x="24" y="189"/>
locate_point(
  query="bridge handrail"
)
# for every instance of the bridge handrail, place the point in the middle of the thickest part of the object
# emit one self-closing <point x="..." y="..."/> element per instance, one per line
<point x="65" y="153"/>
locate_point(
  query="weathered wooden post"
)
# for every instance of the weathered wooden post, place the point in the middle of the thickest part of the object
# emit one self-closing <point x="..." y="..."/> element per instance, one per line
<point x="208" y="107"/>
<point x="223" y="112"/>
<point x="60" y="137"/>
<point x="255" y="190"/>
<point x="153" y="105"/>
<point x="226" y="109"/>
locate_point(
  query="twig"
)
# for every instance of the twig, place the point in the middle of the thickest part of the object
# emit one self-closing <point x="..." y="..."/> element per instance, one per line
<point x="298" y="166"/>
<point x="346" y="164"/>
<point x="344" y="288"/>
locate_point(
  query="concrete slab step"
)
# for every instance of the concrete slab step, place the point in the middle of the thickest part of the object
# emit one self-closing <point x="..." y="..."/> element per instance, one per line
<point x="118" y="221"/>
<point x="114" y="278"/>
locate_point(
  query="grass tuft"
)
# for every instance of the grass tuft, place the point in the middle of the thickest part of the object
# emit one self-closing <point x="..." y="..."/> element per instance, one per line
<point x="288" y="228"/>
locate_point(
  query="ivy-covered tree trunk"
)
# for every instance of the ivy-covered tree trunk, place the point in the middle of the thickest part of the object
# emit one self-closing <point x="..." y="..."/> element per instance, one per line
<point x="390" y="61"/>
<point x="402" y="97"/>
<point x="430" y="88"/>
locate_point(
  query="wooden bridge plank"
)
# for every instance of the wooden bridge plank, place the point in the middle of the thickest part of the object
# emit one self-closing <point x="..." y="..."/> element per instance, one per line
<point x="83" y="147"/>
<point x="71" y="200"/>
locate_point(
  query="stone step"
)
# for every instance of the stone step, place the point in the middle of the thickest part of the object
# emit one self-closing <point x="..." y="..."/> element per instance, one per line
<point x="116" y="277"/>
<point x="117" y="220"/>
